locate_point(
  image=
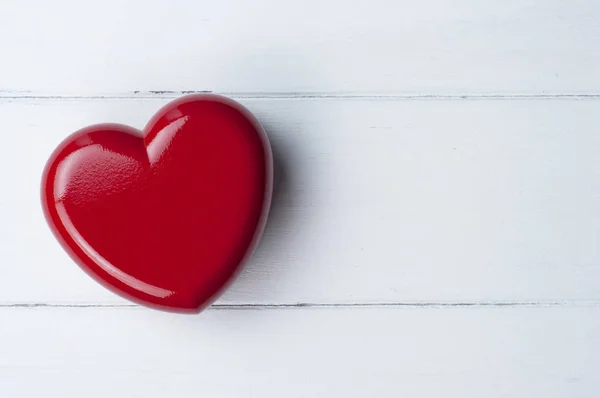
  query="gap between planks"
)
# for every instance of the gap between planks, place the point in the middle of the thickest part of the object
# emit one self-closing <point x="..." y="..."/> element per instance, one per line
<point x="169" y="94"/>
<point x="438" y="305"/>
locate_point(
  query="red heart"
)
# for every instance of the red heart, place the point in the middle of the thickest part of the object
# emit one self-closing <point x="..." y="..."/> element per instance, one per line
<point x="163" y="216"/>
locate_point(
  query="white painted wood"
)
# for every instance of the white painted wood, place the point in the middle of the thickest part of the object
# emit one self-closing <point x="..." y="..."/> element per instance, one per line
<point x="119" y="47"/>
<point x="399" y="352"/>
<point x="382" y="197"/>
<point x="377" y="201"/>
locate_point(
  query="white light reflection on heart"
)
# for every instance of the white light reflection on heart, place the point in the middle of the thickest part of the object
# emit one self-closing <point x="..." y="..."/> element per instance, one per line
<point x="105" y="265"/>
<point x="163" y="138"/>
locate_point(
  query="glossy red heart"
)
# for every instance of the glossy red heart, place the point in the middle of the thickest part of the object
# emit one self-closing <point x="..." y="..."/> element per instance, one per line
<point x="163" y="216"/>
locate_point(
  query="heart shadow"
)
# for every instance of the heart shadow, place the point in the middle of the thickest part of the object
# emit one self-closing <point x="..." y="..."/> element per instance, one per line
<point x="262" y="278"/>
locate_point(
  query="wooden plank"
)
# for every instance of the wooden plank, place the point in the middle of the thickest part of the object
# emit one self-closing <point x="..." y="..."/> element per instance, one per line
<point x="123" y="47"/>
<point x="343" y="352"/>
<point x="376" y="201"/>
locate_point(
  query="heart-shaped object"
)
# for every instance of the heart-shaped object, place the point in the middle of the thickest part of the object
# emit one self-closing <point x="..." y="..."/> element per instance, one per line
<point x="164" y="216"/>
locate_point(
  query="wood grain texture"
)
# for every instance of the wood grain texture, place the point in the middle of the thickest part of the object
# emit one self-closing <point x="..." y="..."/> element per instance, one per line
<point x="434" y="231"/>
<point x="454" y="353"/>
<point x="429" y="47"/>
<point x="386" y="201"/>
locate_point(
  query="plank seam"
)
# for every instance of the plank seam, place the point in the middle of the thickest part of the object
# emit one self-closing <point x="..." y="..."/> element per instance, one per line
<point x="158" y="95"/>
<point x="474" y="304"/>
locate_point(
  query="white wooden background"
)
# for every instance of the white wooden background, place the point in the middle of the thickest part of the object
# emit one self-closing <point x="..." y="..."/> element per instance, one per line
<point x="435" y="230"/>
